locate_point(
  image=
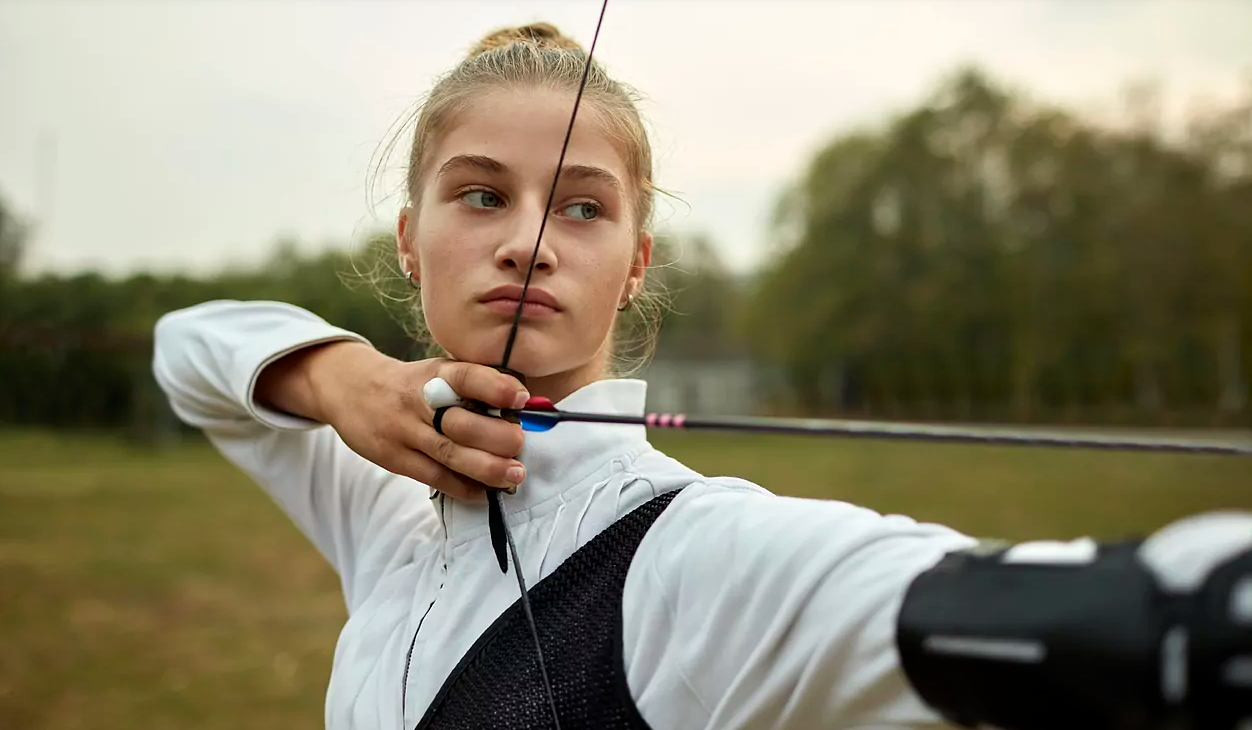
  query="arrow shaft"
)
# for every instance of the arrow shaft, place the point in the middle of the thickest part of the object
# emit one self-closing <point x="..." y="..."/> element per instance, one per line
<point x="899" y="431"/>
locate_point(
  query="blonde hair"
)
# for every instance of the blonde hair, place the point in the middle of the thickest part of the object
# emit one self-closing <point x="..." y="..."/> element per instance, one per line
<point x="538" y="55"/>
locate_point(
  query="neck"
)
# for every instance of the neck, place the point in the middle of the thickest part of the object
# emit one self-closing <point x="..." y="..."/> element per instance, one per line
<point x="557" y="386"/>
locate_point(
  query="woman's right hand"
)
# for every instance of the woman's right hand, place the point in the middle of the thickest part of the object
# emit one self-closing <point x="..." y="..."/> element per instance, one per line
<point x="375" y="404"/>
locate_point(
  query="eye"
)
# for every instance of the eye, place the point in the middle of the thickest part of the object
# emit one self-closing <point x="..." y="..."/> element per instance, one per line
<point x="482" y="199"/>
<point x="582" y="211"/>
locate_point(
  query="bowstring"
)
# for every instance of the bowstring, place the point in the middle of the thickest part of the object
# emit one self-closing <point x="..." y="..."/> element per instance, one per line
<point x="492" y="496"/>
<point x="556" y="178"/>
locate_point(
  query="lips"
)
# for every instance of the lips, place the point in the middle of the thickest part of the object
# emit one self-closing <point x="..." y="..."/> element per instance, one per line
<point x="512" y="293"/>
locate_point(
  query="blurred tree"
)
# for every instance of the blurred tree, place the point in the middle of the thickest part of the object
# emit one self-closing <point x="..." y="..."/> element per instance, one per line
<point x="983" y="256"/>
<point x="13" y="239"/>
<point x="704" y="297"/>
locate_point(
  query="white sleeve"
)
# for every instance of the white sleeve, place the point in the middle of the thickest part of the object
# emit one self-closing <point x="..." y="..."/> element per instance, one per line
<point x="207" y="359"/>
<point x="744" y="609"/>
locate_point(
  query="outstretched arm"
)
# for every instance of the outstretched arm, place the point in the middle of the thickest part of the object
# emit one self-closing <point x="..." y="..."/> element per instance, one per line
<point x="749" y="610"/>
<point x="766" y="611"/>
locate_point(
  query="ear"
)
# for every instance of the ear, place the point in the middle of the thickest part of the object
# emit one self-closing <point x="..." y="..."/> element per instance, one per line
<point x="406" y="248"/>
<point x="639" y="266"/>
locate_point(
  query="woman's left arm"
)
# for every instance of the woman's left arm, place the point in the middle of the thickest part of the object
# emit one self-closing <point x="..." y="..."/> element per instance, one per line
<point x="745" y="609"/>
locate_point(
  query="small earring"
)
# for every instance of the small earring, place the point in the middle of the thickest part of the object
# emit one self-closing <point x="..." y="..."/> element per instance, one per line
<point x="630" y="299"/>
<point x="409" y="276"/>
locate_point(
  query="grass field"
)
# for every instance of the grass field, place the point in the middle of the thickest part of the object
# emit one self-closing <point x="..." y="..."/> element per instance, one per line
<point x="143" y="589"/>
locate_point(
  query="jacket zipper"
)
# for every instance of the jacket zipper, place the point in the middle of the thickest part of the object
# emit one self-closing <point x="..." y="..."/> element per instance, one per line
<point x="408" y="656"/>
<point x="408" y="659"/>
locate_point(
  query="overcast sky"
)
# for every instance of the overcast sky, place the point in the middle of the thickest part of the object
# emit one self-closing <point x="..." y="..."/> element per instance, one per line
<point x="192" y="133"/>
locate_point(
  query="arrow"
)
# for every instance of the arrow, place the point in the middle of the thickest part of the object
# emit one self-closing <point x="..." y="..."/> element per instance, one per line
<point x="539" y="415"/>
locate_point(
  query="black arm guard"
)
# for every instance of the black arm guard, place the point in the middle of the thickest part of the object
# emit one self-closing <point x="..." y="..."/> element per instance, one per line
<point x="1093" y="644"/>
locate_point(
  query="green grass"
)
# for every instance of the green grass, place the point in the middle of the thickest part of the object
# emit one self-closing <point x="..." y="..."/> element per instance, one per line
<point x="162" y="589"/>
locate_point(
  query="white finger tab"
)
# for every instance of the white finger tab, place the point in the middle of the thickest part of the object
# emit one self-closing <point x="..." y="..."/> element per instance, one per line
<point x="438" y="394"/>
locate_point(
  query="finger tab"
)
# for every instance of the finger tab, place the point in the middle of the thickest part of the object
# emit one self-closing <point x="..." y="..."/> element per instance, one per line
<point x="439" y="394"/>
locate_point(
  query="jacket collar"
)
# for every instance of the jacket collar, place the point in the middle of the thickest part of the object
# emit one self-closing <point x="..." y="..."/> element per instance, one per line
<point x="561" y="459"/>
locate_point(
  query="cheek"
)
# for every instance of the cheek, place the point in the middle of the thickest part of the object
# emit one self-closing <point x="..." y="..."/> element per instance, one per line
<point x="600" y="280"/>
<point x="444" y="249"/>
<point x="443" y="265"/>
<point x="446" y="262"/>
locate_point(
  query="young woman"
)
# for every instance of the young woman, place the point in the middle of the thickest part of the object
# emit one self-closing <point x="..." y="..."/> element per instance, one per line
<point x="668" y="599"/>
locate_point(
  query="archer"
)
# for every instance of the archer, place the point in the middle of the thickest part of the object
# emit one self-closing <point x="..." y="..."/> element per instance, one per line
<point x="666" y="598"/>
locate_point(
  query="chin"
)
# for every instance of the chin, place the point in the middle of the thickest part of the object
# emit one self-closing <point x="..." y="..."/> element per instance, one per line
<point x="532" y="359"/>
<point x="533" y="365"/>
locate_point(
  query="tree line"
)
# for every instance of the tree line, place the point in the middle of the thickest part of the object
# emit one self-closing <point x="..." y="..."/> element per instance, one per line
<point x="982" y="256"/>
<point x="979" y="257"/>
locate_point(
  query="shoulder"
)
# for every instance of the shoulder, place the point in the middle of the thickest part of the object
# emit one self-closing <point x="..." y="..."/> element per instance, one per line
<point x="767" y="533"/>
<point x="666" y="473"/>
<point x="740" y="600"/>
<point x="715" y="520"/>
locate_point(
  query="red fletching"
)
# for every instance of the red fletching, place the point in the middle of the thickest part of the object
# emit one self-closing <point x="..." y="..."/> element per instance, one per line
<point x="539" y="403"/>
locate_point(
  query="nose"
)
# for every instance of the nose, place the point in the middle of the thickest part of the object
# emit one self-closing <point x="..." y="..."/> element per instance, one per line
<point x="516" y="253"/>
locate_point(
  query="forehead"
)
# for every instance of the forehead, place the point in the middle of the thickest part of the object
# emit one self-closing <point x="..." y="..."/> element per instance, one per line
<point x="524" y="129"/>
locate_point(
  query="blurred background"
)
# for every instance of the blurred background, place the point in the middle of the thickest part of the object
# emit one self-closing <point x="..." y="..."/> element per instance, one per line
<point x="1014" y="212"/>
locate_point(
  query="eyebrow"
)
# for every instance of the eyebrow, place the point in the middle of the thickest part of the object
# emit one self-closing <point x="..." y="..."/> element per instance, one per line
<point x="473" y="162"/>
<point x="489" y="164"/>
<point x="586" y="172"/>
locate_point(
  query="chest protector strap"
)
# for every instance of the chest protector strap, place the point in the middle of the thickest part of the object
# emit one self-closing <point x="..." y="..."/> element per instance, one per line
<point x="578" y="615"/>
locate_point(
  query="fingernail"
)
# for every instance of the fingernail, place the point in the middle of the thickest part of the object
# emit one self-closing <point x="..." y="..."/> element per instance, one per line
<point x="520" y="400"/>
<point x="515" y="474"/>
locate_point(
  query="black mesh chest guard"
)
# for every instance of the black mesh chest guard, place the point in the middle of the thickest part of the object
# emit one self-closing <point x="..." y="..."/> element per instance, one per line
<point x="578" y="612"/>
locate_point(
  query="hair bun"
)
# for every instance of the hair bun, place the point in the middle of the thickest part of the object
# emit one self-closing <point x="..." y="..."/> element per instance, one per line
<point x="545" y="35"/>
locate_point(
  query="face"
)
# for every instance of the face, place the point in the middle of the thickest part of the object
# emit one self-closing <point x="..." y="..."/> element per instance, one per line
<point x="470" y="239"/>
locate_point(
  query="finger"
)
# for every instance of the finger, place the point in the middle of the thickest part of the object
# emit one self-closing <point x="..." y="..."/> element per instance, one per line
<point x="481" y="466"/>
<point x="481" y="383"/>
<point x="485" y="433"/>
<point x="419" y="466"/>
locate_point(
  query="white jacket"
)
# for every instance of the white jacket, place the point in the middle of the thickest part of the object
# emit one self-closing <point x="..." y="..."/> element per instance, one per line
<point x="742" y="609"/>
